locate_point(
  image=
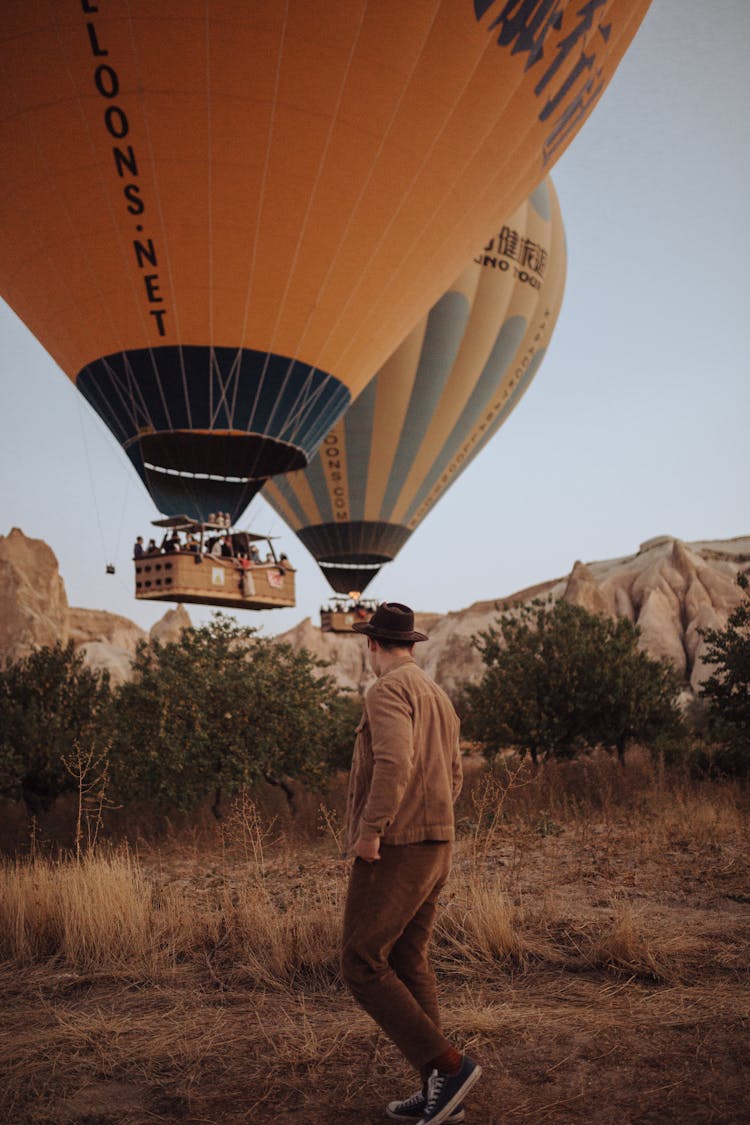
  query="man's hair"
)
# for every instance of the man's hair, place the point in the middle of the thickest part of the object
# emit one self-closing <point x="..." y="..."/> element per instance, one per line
<point x="389" y="645"/>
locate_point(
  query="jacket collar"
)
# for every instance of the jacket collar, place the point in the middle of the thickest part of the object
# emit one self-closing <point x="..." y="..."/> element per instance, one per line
<point x="400" y="663"/>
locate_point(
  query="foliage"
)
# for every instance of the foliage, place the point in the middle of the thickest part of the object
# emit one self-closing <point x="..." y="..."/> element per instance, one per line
<point x="346" y="712"/>
<point x="727" y="691"/>
<point x="559" y="679"/>
<point x="220" y="709"/>
<point x="51" y="707"/>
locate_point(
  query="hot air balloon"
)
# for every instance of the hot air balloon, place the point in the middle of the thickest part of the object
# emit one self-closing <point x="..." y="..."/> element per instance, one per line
<point x="443" y="394"/>
<point x="221" y="218"/>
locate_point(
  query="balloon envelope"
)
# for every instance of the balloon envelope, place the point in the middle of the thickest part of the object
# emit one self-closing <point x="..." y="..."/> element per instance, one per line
<point x="221" y="218"/>
<point x="434" y="405"/>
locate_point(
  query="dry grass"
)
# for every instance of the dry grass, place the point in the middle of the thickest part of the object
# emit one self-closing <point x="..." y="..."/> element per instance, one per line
<point x="597" y="962"/>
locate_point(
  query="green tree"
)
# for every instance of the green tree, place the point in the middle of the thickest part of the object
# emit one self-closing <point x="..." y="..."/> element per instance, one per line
<point x="559" y="679"/>
<point x="727" y="690"/>
<point x="52" y="708"/>
<point x="220" y="709"/>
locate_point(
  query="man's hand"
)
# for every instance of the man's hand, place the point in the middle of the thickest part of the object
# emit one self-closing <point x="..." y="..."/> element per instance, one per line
<point x="367" y="849"/>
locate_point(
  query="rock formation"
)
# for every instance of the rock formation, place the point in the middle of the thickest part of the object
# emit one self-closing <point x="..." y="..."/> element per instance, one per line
<point x="33" y="606"/>
<point x="34" y="612"/>
<point x="347" y="654"/>
<point x="670" y="589"/>
<point x="106" y="640"/>
<point x="168" y="628"/>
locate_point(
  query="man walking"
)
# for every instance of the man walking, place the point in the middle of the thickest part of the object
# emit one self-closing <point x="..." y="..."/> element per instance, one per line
<point x="405" y="777"/>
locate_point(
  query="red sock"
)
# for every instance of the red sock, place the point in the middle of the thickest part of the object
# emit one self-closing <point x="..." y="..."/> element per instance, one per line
<point x="449" y="1062"/>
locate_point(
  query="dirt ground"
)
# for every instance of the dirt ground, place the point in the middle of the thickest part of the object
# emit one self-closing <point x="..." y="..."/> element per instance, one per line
<point x="597" y="966"/>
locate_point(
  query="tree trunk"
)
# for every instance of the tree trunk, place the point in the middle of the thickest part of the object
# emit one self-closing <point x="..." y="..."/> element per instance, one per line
<point x="287" y="789"/>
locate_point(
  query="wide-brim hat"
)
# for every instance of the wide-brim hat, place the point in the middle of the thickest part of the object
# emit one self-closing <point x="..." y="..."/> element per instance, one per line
<point x="391" y="621"/>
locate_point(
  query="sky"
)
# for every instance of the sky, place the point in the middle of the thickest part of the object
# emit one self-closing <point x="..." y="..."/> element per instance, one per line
<point x="637" y="424"/>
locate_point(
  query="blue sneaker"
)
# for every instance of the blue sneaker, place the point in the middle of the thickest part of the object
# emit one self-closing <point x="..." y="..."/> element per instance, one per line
<point x="445" y="1091"/>
<point x="413" y="1108"/>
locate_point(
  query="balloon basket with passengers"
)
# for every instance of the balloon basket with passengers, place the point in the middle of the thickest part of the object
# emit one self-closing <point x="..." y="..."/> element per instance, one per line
<point x="341" y="613"/>
<point x="213" y="565"/>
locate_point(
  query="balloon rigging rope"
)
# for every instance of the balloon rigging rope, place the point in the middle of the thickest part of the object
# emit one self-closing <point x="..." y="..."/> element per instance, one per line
<point x="122" y="513"/>
<point x="91" y="476"/>
<point x="303" y="405"/>
<point x="129" y="403"/>
<point x="272" y="489"/>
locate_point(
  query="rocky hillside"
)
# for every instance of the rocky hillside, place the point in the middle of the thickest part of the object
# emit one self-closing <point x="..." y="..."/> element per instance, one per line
<point x="669" y="588"/>
<point x="34" y="611"/>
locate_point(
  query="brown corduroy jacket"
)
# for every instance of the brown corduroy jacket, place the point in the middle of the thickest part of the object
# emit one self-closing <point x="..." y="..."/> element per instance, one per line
<point x="406" y="769"/>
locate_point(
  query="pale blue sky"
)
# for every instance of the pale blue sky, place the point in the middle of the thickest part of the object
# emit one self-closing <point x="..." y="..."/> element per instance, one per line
<point x="636" y="424"/>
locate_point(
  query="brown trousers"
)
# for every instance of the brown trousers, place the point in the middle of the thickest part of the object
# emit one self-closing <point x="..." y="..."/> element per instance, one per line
<point x="388" y="919"/>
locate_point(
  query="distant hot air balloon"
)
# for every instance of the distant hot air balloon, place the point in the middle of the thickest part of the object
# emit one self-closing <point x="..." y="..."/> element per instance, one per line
<point x="434" y="405"/>
<point x="220" y="219"/>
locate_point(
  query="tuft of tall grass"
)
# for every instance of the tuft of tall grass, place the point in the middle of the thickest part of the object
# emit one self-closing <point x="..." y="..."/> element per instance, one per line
<point x="93" y="913"/>
<point x="625" y="947"/>
<point x="100" y="913"/>
<point x="275" y="922"/>
<point x="483" y="928"/>
<point x="282" y="944"/>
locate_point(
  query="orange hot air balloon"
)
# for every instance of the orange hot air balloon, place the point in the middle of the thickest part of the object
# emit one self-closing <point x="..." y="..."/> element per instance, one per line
<point x="434" y="405"/>
<point x="220" y="218"/>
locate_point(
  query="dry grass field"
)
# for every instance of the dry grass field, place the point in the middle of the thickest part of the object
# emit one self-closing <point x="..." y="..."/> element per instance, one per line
<point x="592" y="949"/>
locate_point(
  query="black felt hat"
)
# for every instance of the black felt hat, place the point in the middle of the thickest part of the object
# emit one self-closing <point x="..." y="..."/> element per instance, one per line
<point x="391" y="621"/>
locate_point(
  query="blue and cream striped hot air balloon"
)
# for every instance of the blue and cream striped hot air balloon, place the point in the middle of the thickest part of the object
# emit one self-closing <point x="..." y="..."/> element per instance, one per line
<point x="438" y="400"/>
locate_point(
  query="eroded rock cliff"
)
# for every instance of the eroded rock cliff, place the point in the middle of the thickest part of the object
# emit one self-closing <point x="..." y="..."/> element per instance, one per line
<point x="34" y="612"/>
<point x="33" y="606"/>
<point x="670" y="589"/>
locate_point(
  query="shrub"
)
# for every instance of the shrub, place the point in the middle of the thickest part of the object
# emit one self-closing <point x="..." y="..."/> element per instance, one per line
<point x="560" y="679"/>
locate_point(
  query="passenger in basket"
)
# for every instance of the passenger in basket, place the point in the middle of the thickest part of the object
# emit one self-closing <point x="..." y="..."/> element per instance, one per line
<point x="171" y="545"/>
